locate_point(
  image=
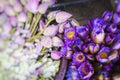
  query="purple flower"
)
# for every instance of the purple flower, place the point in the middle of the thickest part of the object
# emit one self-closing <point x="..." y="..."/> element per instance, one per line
<point x="82" y="31"/>
<point x="32" y="6"/>
<point x="17" y="7"/>
<point x="22" y="17"/>
<point x="69" y="35"/>
<point x="85" y="48"/>
<point x="78" y="58"/>
<point x="102" y="55"/>
<point x="93" y="48"/>
<point x="112" y="28"/>
<point x="55" y="55"/>
<point x="13" y="20"/>
<point x="109" y="39"/>
<point x="69" y="54"/>
<point x="98" y="35"/>
<point x="107" y="15"/>
<point x="85" y="70"/>
<point x="118" y="7"/>
<point x="72" y="74"/>
<point x="116" y="44"/>
<point x="116" y="18"/>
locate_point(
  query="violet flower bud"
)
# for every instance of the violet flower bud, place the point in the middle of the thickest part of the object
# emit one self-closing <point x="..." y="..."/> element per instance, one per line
<point x="78" y="58"/>
<point x="98" y="35"/>
<point x="82" y="31"/>
<point x="32" y="6"/>
<point x="93" y="48"/>
<point x="85" y="70"/>
<point x="116" y="18"/>
<point x="112" y="28"/>
<point x="62" y="16"/>
<point x="57" y="41"/>
<point x="85" y="48"/>
<point x="22" y="17"/>
<point x="13" y="20"/>
<point x="43" y="8"/>
<point x="107" y="16"/>
<point x="116" y="44"/>
<point x="55" y="55"/>
<point x="109" y="39"/>
<point x="51" y="30"/>
<point x="102" y="55"/>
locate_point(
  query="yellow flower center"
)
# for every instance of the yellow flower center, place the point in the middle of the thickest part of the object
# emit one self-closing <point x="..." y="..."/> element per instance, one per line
<point x="80" y="57"/>
<point x="103" y="55"/>
<point x="70" y="34"/>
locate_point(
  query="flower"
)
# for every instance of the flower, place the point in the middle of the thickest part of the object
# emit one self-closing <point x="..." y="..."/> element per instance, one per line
<point x="109" y="39"/>
<point x="78" y="58"/>
<point x="57" y="41"/>
<point x="107" y="16"/>
<point x="22" y="17"/>
<point x="52" y="14"/>
<point x="116" y="44"/>
<point x="85" y="70"/>
<point x="116" y="18"/>
<point x="93" y="48"/>
<point x="69" y="35"/>
<point x="59" y="16"/>
<point x="98" y="35"/>
<point x="13" y="20"/>
<point x="46" y="42"/>
<point x="55" y="55"/>
<point x="82" y="31"/>
<point x="9" y="11"/>
<point x="43" y="8"/>
<point x="102" y="55"/>
<point x="72" y="74"/>
<point x="32" y="6"/>
<point x="112" y="28"/>
<point x="51" y="30"/>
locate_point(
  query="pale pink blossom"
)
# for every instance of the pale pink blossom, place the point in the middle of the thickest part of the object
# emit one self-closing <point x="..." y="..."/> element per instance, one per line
<point x="57" y="41"/>
<point x="43" y="8"/>
<point x="55" y="55"/>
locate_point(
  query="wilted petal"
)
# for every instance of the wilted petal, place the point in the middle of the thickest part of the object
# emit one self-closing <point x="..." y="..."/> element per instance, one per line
<point x="46" y="42"/>
<point x="62" y="16"/>
<point x="57" y="41"/>
<point x="22" y="17"/>
<point x="32" y="6"/>
<point x="85" y="70"/>
<point x="43" y="8"/>
<point x="51" y="30"/>
<point x="55" y="55"/>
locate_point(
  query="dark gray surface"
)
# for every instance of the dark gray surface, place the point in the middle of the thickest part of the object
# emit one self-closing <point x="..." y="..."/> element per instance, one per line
<point x="89" y="10"/>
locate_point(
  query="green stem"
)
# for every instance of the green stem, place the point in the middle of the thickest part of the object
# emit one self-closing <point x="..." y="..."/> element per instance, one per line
<point x="35" y="25"/>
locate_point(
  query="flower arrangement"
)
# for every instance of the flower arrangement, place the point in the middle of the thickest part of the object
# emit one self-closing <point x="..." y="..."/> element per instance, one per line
<point x="38" y="44"/>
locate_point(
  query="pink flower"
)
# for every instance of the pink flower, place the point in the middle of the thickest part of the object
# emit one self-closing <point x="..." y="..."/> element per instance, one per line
<point x="32" y="6"/>
<point x="7" y="27"/>
<point x="55" y="55"/>
<point x="62" y="16"/>
<point x="51" y="30"/>
<point x="22" y="17"/>
<point x="9" y="11"/>
<point x="57" y="41"/>
<point x="13" y="20"/>
<point x="41" y="25"/>
<point x="17" y="6"/>
<point x="46" y="42"/>
<point x="50" y="2"/>
<point x="52" y="14"/>
<point x="43" y="8"/>
<point x="62" y="27"/>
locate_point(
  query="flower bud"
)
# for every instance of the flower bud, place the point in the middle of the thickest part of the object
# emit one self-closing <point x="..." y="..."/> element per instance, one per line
<point x="57" y="41"/>
<point x="93" y="48"/>
<point x="62" y="16"/>
<point x="55" y="55"/>
<point x="43" y="8"/>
